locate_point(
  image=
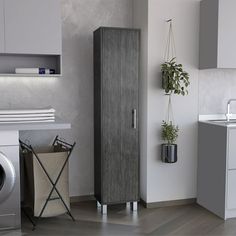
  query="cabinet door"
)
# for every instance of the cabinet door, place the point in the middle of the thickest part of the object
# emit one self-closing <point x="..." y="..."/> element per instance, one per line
<point x="120" y="115"/>
<point x="2" y="26"/>
<point x="33" y="26"/>
<point x="232" y="149"/>
<point x="227" y="34"/>
<point x="112" y="177"/>
<point x="231" y="202"/>
<point x="129" y="113"/>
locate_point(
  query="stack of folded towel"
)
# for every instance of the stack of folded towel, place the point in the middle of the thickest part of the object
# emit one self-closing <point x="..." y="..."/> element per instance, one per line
<point x="27" y="116"/>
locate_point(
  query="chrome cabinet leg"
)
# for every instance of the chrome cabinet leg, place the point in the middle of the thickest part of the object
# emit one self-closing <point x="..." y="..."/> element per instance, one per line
<point x="134" y="206"/>
<point x="104" y="209"/>
<point x="98" y="204"/>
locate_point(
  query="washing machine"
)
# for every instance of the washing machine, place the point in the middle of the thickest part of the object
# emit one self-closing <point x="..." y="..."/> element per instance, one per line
<point x="10" y="217"/>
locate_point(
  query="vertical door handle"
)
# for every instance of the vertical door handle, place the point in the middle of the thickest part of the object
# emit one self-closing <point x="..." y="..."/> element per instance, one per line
<point x="134" y="119"/>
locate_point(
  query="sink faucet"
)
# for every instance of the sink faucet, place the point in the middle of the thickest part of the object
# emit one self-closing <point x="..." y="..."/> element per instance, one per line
<point x="228" y="114"/>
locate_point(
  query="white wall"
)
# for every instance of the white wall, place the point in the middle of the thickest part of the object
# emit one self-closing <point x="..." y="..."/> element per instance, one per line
<point x="178" y="181"/>
<point x="140" y="21"/>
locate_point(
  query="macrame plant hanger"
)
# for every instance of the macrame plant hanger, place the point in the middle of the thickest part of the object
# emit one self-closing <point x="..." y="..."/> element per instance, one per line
<point x="170" y="53"/>
<point x="170" y="115"/>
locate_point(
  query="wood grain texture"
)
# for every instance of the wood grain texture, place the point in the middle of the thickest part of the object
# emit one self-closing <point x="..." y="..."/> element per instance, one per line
<point x="190" y="220"/>
<point x="117" y="158"/>
<point x="97" y="115"/>
<point x="130" y="102"/>
<point x="111" y="116"/>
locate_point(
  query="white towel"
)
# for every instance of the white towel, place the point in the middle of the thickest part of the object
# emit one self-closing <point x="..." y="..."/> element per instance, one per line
<point x="26" y="121"/>
<point x="29" y="111"/>
<point x="26" y="118"/>
<point x="27" y="115"/>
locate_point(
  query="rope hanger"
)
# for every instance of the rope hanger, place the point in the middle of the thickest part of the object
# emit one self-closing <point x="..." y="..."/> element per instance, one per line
<point x="170" y="114"/>
<point x="170" y="53"/>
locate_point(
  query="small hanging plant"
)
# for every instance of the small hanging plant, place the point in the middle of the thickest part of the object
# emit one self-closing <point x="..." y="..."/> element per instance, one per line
<point x="169" y="149"/>
<point x="169" y="132"/>
<point x="174" y="78"/>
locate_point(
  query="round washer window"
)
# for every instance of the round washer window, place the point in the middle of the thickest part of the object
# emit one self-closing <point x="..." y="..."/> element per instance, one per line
<point x="2" y="177"/>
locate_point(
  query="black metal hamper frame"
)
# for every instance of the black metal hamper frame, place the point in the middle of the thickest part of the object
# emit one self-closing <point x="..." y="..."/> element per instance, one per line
<point x="68" y="148"/>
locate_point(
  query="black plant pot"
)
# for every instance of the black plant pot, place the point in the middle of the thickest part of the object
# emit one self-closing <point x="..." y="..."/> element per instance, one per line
<point x="169" y="153"/>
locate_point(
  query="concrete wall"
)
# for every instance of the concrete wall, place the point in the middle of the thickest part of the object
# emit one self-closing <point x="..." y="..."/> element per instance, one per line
<point x="178" y="181"/>
<point x="71" y="95"/>
<point x="216" y="87"/>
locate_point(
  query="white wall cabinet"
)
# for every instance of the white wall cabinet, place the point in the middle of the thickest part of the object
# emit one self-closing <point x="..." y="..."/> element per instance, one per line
<point x="30" y="35"/>
<point x="2" y="43"/>
<point x="217" y="34"/>
<point x="33" y="27"/>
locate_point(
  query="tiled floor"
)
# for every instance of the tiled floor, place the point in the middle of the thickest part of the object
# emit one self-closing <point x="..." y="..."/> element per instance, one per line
<point x="179" y="220"/>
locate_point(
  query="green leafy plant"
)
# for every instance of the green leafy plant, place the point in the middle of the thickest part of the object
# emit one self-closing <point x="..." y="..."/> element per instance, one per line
<point x="169" y="132"/>
<point x="174" y="78"/>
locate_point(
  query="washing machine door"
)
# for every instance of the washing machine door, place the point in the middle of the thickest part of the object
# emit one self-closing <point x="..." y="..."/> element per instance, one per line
<point x="7" y="177"/>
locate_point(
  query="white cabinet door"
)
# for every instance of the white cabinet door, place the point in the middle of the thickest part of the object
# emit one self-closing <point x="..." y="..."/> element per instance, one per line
<point x="33" y="26"/>
<point x="217" y="34"/>
<point x="232" y="149"/>
<point x="2" y="47"/>
<point x="231" y="202"/>
<point x="227" y="34"/>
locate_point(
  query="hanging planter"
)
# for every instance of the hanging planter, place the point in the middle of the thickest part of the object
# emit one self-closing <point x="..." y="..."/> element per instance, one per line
<point x="169" y="149"/>
<point x="174" y="78"/>
<point x="174" y="81"/>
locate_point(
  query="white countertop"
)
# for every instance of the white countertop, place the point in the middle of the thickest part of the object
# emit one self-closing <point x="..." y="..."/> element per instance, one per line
<point x="58" y="124"/>
<point x="224" y="124"/>
<point x="219" y="120"/>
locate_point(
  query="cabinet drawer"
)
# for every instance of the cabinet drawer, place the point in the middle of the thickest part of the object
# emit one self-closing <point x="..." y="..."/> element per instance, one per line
<point x="232" y="149"/>
<point x="231" y="198"/>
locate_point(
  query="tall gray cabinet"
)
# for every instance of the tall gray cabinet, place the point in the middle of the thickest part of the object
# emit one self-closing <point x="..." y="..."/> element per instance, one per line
<point x="116" y="108"/>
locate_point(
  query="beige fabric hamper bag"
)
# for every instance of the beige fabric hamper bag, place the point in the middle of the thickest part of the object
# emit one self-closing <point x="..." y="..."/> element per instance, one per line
<point x="37" y="185"/>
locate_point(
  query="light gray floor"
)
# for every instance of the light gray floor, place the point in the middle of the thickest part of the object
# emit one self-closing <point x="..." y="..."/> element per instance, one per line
<point x="179" y="220"/>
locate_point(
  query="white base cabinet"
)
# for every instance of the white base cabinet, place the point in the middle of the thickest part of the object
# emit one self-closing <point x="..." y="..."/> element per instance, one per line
<point x="217" y="169"/>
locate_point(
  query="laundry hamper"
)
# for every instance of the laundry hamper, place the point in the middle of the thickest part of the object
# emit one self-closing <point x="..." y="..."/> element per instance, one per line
<point x="43" y="167"/>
